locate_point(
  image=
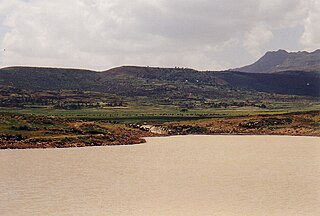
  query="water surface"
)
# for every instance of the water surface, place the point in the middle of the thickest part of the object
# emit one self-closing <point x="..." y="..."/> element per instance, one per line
<point x="186" y="175"/>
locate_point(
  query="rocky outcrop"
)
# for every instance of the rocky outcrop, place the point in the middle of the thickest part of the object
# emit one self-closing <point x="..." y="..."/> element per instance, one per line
<point x="282" y="60"/>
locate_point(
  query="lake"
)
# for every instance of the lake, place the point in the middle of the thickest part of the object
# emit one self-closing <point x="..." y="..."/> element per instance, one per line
<point x="180" y="175"/>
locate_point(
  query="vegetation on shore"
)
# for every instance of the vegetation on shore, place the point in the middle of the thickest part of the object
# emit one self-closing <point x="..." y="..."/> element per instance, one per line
<point x="20" y="131"/>
<point x="295" y="124"/>
<point x="38" y="131"/>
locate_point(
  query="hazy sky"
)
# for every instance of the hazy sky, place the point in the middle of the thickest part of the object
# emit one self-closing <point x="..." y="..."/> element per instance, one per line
<point x="201" y="34"/>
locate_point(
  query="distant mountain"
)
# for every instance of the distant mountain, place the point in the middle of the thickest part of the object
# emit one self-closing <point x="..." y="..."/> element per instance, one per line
<point x="282" y="60"/>
<point x="162" y="83"/>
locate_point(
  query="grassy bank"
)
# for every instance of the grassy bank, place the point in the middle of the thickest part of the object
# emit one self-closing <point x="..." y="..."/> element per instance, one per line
<point x="56" y="128"/>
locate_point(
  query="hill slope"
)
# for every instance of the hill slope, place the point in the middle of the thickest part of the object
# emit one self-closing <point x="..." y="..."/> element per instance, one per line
<point x="162" y="82"/>
<point x="282" y="60"/>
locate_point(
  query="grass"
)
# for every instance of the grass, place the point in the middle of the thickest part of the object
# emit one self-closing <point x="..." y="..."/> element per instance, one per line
<point x="47" y="127"/>
<point x="162" y="113"/>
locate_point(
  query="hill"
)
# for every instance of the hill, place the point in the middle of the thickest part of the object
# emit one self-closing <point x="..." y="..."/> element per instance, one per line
<point x="172" y="83"/>
<point x="147" y="81"/>
<point x="282" y="60"/>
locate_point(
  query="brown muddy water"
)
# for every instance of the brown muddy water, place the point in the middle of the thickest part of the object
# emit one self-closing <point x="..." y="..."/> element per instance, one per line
<point x="180" y="176"/>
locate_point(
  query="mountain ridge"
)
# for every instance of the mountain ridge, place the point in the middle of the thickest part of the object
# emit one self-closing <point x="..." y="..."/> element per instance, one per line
<point x="294" y="75"/>
<point x="282" y="60"/>
<point x="150" y="81"/>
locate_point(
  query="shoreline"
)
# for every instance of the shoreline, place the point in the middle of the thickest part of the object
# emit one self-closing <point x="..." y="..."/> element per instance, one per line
<point x="75" y="134"/>
<point x="203" y="135"/>
<point x="166" y="137"/>
<point x="144" y="140"/>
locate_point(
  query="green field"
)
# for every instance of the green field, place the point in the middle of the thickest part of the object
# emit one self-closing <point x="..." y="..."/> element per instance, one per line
<point x="163" y="113"/>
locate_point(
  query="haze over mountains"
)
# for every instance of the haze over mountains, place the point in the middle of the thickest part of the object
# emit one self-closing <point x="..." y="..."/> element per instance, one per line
<point x="282" y="60"/>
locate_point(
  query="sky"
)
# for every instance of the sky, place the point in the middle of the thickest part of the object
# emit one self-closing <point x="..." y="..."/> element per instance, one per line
<point x="199" y="34"/>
